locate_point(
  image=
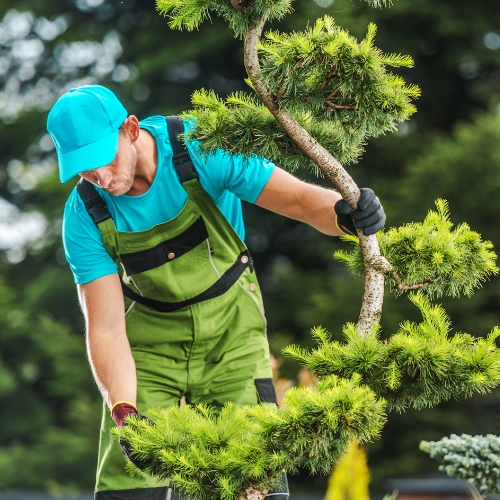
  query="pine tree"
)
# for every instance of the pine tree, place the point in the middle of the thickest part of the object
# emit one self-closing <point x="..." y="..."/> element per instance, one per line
<point x="473" y="458"/>
<point x="319" y="95"/>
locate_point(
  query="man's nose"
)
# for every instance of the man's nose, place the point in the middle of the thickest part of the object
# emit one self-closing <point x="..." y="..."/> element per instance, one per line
<point x="104" y="178"/>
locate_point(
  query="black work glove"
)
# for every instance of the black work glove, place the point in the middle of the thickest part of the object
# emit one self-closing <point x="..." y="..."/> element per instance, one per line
<point x="119" y="413"/>
<point x="369" y="216"/>
<point x="127" y="449"/>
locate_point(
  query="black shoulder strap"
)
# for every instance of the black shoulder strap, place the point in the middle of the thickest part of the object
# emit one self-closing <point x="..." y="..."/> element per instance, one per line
<point x="182" y="161"/>
<point x="95" y="205"/>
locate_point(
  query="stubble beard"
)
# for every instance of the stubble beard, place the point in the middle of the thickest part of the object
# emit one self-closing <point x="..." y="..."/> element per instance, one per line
<point x="125" y="184"/>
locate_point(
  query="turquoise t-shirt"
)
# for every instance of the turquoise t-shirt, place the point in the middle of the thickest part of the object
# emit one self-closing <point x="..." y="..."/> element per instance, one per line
<point x="226" y="178"/>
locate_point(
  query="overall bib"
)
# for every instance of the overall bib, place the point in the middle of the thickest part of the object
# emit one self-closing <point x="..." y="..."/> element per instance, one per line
<point x="194" y="318"/>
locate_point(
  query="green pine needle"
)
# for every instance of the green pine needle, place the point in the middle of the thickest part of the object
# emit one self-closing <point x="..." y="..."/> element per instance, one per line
<point x="310" y="73"/>
<point x="209" y="454"/>
<point x="419" y="366"/>
<point x="446" y="260"/>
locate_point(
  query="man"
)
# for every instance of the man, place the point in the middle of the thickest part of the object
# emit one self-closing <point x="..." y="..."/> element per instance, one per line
<point x="155" y="242"/>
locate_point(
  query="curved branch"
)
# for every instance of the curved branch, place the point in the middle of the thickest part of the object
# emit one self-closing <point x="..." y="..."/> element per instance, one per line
<point x="371" y="307"/>
<point x="338" y="106"/>
<point x="252" y="493"/>
<point x="403" y="287"/>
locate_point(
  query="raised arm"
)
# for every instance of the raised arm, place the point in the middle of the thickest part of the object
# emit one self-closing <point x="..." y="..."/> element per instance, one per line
<point x="296" y="199"/>
<point x="107" y="344"/>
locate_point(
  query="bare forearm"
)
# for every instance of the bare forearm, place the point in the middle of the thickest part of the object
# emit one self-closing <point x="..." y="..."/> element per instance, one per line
<point x="113" y="366"/>
<point x="293" y="198"/>
<point x="318" y="209"/>
<point x="108" y="347"/>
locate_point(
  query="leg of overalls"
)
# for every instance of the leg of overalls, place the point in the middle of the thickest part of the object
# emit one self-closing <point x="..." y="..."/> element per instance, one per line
<point x="230" y="359"/>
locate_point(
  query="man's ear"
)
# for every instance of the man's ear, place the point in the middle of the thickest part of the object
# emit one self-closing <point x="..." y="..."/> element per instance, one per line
<point x="131" y="127"/>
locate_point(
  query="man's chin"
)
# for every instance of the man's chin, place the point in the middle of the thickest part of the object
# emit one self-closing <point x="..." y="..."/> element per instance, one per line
<point x="117" y="191"/>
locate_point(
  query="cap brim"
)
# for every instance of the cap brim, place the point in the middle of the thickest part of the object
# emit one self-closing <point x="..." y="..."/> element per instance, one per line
<point x="94" y="155"/>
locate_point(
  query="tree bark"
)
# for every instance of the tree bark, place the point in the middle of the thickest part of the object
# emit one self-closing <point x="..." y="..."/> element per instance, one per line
<point x="375" y="263"/>
<point x="253" y="494"/>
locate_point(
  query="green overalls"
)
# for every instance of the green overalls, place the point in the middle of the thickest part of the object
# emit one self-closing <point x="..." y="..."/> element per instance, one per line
<point x="194" y="317"/>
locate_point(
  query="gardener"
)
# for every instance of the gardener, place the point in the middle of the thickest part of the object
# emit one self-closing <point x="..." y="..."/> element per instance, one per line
<point x="154" y="238"/>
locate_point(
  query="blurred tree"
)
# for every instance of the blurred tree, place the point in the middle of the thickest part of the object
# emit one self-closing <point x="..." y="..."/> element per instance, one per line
<point x="48" y="402"/>
<point x="350" y="478"/>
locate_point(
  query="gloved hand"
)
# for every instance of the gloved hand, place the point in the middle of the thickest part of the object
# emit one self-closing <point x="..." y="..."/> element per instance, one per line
<point x="369" y="216"/>
<point x="119" y="413"/>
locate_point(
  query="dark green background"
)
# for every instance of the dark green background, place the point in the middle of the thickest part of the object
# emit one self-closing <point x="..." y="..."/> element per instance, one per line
<point x="49" y="405"/>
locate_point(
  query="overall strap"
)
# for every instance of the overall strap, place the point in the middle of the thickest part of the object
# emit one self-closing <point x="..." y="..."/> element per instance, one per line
<point x="95" y="205"/>
<point x="220" y="287"/>
<point x="182" y="160"/>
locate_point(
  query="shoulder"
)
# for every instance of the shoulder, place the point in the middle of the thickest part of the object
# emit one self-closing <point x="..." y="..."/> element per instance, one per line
<point x="74" y="204"/>
<point x="243" y="176"/>
<point x="156" y="125"/>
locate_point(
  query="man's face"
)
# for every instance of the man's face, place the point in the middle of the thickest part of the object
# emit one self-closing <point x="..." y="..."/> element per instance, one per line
<point x="117" y="177"/>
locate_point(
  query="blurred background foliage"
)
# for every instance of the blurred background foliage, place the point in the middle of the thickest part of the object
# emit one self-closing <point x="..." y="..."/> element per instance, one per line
<point x="49" y="405"/>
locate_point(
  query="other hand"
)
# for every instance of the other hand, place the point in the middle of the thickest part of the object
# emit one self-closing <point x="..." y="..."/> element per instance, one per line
<point x="119" y="413"/>
<point x="368" y="216"/>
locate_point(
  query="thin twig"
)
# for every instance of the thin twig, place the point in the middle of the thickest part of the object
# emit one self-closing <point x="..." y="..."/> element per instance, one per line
<point x="338" y="106"/>
<point x="401" y="286"/>
<point x="333" y="94"/>
<point x="328" y="78"/>
<point x="228" y="144"/>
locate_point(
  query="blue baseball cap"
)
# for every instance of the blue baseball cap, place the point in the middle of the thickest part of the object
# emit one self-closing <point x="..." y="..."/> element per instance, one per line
<point x="84" y="125"/>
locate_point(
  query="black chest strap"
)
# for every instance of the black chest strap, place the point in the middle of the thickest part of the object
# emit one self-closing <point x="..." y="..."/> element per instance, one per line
<point x="95" y="205"/>
<point x="220" y="287"/>
<point x="182" y="161"/>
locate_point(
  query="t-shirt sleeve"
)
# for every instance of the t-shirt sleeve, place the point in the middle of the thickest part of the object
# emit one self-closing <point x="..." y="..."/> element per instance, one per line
<point x="83" y="245"/>
<point x="244" y="177"/>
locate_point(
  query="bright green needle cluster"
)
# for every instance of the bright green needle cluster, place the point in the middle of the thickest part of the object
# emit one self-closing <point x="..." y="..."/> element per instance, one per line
<point x="317" y="423"/>
<point x="337" y="89"/>
<point x="210" y="454"/>
<point x="327" y="73"/>
<point x="189" y="14"/>
<point x="417" y="367"/>
<point x="445" y="260"/>
<point x="240" y="124"/>
<point x="473" y="458"/>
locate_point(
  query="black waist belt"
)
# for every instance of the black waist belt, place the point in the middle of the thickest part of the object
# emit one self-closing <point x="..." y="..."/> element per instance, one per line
<point x="220" y="287"/>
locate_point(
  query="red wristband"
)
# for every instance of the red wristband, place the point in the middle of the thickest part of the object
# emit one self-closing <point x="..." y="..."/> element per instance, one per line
<point x="121" y="410"/>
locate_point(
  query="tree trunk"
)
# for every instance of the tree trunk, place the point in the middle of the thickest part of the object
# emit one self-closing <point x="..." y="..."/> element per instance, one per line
<point x="375" y="264"/>
<point x="253" y="494"/>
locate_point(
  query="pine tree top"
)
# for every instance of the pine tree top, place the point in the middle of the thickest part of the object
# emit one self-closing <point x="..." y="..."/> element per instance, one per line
<point x="338" y="89"/>
<point x="473" y="458"/>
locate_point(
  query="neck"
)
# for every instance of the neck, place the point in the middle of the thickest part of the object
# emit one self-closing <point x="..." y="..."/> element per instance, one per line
<point x="146" y="163"/>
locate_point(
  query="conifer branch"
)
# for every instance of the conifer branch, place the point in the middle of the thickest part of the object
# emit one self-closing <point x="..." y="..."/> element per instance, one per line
<point x="399" y="285"/>
<point x="475" y="459"/>
<point x="338" y="106"/>
<point x="371" y="307"/>
<point x="431" y="255"/>
<point x="327" y="80"/>
<point x="417" y="367"/>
